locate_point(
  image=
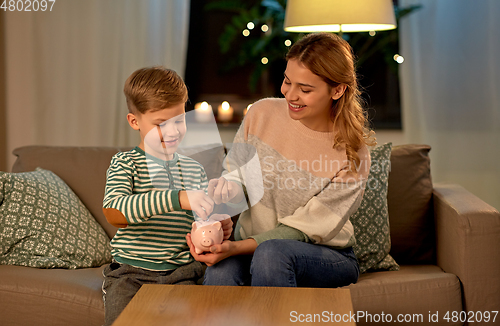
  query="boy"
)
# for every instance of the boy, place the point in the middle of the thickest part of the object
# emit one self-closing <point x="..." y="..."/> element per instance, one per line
<point x="150" y="192"/>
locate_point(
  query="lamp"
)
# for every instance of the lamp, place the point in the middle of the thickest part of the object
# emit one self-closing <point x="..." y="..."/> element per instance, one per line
<point x="339" y="15"/>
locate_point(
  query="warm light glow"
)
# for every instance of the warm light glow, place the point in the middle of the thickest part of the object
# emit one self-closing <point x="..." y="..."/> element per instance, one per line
<point x="203" y="112"/>
<point x="246" y="109"/>
<point x="204" y="106"/>
<point x="264" y="28"/>
<point x="288" y="42"/>
<point x="372" y="33"/>
<point x="398" y="58"/>
<point x="335" y="28"/>
<point x="250" y="25"/>
<point x="339" y="15"/>
<point x="246" y="32"/>
<point x="264" y="61"/>
<point x="225" y="112"/>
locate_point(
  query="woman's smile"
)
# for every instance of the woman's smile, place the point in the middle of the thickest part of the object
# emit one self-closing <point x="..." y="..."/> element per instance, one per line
<point x="295" y="108"/>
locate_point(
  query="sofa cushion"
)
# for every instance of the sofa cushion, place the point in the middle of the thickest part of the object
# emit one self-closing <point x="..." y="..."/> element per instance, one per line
<point x="84" y="169"/>
<point x="413" y="291"/>
<point x="371" y="221"/>
<point x="410" y="205"/>
<point x="43" y="224"/>
<point x="43" y="297"/>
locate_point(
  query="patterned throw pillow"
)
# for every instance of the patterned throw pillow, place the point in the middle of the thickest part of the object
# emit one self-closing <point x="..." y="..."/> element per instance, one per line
<point x="371" y="220"/>
<point x="44" y="224"/>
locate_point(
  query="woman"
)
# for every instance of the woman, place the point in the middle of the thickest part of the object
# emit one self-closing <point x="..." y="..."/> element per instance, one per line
<point x="314" y="160"/>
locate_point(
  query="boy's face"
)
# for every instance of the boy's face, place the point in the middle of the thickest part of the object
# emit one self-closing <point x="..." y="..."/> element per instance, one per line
<point x="161" y="131"/>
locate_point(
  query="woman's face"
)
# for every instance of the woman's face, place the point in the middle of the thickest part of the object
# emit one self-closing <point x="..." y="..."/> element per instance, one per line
<point x="309" y="97"/>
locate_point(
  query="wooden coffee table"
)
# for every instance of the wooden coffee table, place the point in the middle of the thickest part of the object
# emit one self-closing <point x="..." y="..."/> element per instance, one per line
<point x="242" y="306"/>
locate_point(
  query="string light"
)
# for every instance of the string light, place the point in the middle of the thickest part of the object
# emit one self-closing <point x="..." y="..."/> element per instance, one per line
<point x="250" y="25"/>
<point x="398" y="58"/>
<point x="372" y="33"/>
<point x="264" y="28"/>
<point x="288" y="43"/>
<point x="246" y="32"/>
<point x="264" y="60"/>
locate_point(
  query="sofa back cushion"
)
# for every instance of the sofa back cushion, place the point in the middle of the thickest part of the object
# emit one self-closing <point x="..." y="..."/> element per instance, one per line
<point x="409" y="199"/>
<point x="409" y="190"/>
<point x="84" y="169"/>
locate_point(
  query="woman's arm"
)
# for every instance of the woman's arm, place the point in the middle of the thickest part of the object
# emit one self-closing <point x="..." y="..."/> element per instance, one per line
<point x="245" y="247"/>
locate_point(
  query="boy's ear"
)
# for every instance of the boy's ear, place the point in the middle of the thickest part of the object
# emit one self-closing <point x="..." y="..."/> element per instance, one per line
<point x="132" y="121"/>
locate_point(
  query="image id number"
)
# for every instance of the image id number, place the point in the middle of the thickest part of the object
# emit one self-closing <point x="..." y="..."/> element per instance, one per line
<point x="27" y="5"/>
<point x="471" y="316"/>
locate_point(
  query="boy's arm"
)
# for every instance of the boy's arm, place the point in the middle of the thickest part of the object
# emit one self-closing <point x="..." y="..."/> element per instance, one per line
<point x="115" y="217"/>
<point x="122" y="207"/>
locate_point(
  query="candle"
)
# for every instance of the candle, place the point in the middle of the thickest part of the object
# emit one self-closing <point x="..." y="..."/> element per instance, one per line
<point x="203" y="112"/>
<point x="225" y="112"/>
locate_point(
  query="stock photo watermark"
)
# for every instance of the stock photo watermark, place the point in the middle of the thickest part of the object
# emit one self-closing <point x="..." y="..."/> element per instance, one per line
<point x="384" y="318"/>
<point x="27" y="5"/>
<point x="288" y="177"/>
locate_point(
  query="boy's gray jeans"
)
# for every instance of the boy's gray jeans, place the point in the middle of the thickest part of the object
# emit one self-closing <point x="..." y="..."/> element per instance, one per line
<point x="122" y="281"/>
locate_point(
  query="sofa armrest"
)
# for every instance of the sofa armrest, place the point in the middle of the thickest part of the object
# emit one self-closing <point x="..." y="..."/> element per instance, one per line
<point x="468" y="245"/>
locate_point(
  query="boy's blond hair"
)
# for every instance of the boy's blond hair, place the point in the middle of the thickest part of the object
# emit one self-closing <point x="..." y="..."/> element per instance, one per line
<point x="153" y="89"/>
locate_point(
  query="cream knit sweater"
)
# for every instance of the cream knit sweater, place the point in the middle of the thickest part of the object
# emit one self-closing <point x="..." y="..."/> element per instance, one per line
<point x="297" y="185"/>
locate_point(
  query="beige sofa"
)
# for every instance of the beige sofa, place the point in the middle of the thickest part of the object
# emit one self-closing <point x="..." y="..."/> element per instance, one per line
<point x="446" y="240"/>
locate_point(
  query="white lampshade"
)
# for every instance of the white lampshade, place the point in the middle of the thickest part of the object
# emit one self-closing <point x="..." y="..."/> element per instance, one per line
<point x="339" y="15"/>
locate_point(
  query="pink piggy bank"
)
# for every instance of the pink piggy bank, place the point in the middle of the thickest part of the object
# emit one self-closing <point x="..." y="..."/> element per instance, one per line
<point x="205" y="235"/>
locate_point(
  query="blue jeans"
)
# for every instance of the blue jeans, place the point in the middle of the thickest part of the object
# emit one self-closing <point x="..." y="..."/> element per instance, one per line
<point x="287" y="263"/>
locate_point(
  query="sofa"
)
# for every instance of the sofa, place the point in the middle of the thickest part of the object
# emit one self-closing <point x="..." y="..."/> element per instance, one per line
<point x="445" y="240"/>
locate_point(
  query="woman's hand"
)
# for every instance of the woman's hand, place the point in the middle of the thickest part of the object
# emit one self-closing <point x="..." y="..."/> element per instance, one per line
<point x="223" y="250"/>
<point x="227" y="227"/>
<point x="227" y="223"/>
<point x="217" y="252"/>
<point x="223" y="191"/>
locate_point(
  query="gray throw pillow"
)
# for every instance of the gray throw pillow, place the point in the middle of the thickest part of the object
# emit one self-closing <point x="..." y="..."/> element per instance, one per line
<point x="44" y="224"/>
<point x="371" y="220"/>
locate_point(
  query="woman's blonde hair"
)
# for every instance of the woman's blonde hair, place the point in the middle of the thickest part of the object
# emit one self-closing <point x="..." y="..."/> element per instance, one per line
<point x="153" y="89"/>
<point x="331" y="58"/>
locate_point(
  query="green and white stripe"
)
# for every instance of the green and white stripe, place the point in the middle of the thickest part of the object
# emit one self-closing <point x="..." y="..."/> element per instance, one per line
<point x="139" y="186"/>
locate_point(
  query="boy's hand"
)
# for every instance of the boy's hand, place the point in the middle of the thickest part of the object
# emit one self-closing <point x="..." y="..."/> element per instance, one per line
<point x="223" y="191"/>
<point x="196" y="201"/>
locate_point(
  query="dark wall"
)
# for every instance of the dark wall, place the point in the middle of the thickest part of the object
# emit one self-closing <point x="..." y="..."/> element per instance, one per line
<point x="206" y="78"/>
<point x="205" y="64"/>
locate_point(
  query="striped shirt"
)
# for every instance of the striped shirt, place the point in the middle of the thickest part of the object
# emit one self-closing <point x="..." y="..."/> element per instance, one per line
<point x="145" y="189"/>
